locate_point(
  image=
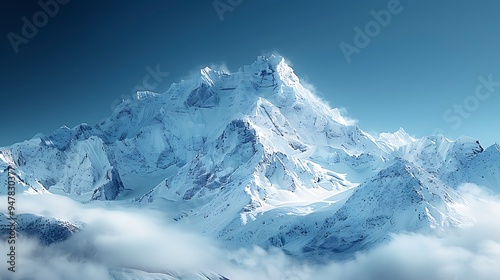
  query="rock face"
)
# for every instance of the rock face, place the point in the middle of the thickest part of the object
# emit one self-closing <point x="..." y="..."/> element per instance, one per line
<point x="253" y="157"/>
<point x="47" y="230"/>
<point x="203" y="96"/>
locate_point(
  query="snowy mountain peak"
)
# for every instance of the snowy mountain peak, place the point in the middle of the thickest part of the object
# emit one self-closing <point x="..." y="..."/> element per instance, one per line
<point x="274" y="67"/>
<point x="397" y="139"/>
<point x="210" y="76"/>
<point x="496" y="146"/>
<point x="254" y="157"/>
<point x="273" y="60"/>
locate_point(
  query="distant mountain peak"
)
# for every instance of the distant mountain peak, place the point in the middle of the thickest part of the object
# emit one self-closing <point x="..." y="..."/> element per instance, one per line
<point x="496" y="146"/>
<point x="397" y="139"/>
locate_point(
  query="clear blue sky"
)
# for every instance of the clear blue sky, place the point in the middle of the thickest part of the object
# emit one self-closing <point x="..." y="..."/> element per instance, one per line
<point x="411" y="74"/>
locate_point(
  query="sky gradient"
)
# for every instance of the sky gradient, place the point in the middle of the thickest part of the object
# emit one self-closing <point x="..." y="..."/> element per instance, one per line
<point x="433" y="67"/>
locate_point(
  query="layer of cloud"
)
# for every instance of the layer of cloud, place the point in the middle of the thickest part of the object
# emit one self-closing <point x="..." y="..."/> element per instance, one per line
<point x="142" y="239"/>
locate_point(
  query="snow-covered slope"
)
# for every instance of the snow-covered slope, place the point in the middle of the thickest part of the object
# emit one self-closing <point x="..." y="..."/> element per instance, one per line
<point x="254" y="157"/>
<point x="402" y="197"/>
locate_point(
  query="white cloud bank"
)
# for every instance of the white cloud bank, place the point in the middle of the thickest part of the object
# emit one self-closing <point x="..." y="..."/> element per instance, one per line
<point x="145" y="240"/>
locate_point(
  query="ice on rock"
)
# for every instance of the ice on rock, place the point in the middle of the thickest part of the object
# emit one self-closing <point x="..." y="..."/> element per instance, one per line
<point x="203" y="97"/>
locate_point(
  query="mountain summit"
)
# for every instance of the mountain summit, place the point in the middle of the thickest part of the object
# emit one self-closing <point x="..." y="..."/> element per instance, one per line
<point x="254" y="157"/>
